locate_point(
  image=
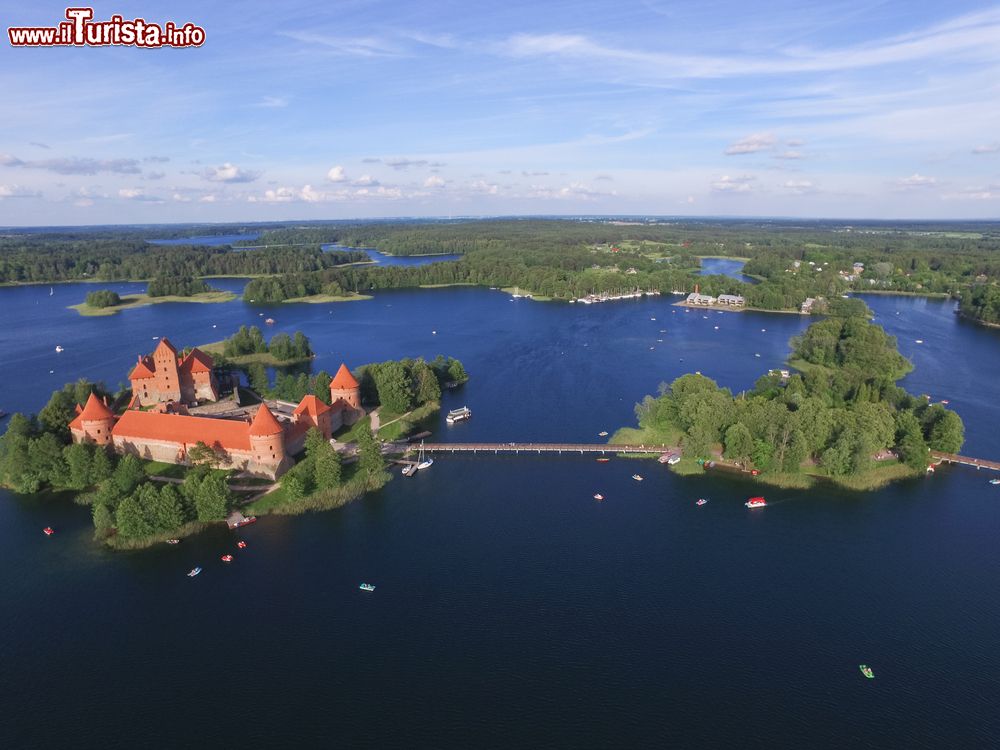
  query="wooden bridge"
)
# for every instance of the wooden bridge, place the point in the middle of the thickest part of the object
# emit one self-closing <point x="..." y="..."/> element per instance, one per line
<point x="580" y="448"/>
<point x="978" y="463"/>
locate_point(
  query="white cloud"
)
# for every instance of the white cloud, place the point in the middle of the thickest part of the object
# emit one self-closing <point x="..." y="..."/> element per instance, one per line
<point x="728" y="184"/>
<point x="799" y="187"/>
<point x="229" y="173"/>
<point x="138" y="194"/>
<point x="210" y="198"/>
<point x="17" y="191"/>
<point x="751" y="144"/>
<point x="336" y="174"/>
<point x="984" y="193"/>
<point x="271" y="102"/>
<point x="365" y="180"/>
<point x="915" y="181"/>
<point x="988" y="148"/>
<point x="789" y="155"/>
<point x="433" y="182"/>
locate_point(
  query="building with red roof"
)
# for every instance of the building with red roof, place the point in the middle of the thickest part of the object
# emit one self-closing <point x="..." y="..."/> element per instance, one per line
<point x="262" y="445"/>
<point x="163" y="376"/>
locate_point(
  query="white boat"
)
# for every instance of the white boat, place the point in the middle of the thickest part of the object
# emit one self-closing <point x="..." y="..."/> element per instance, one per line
<point x="995" y="481"/>
<point x="701" y="501"/>
<point x="637" y="478"/>
<point x="423" y="462"/>
<point x="602" y="433"/>
<point x="194" y="572"/>
<point x="457" y="415"/>
<point x="919" y="341"/>
<point x="59" y="349"/>
<point x="366" y="587"/>
<point x="51" y="291"/>
<point x="409" y="470"/>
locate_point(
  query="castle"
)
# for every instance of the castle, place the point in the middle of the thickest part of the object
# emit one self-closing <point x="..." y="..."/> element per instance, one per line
<point x="261" y="445"/>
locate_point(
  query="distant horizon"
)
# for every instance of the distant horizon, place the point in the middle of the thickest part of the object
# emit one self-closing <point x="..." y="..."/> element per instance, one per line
<point x="501" y="217"/>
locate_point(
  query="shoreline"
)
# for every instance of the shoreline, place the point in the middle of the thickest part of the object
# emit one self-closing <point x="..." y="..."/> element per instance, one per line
<point x="133" y="301"/>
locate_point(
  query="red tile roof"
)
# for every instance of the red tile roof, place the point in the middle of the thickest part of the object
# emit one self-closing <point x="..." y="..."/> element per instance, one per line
<point x="165" y="344"/>
<point x="197" y="361"/>
<point x="94" y="410"/>
<point x="230" y="434"/>
<point x="264" y="423"/>
<point x="312" y="406"/>
<point x="343" y="379"/>
<point x="143" y="369"/>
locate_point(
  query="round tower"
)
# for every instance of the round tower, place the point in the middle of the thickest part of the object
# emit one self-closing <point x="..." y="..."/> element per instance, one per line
<point x="94" y="423"/>
<point x="344" y="386"/>
<point x="267" y="439"/>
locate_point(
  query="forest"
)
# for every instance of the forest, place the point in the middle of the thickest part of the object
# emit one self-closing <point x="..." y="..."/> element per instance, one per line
<point x="839" y="413"/>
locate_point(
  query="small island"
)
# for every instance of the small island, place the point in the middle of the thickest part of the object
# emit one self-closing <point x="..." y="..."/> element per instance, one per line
<point x="840" y="418"/>
<point x="108" y="302"/>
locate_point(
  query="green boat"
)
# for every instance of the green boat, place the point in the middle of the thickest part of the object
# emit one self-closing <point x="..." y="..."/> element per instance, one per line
<point x="866" y="671"/>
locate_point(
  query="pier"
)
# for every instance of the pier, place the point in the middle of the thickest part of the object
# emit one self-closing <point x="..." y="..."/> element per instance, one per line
<point x="978" y="463"/>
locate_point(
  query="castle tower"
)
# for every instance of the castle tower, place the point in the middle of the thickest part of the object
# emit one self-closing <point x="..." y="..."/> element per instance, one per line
<point x="94" y="423"/>
<point x="344" y="386"/>
<point x="314" y="412"/>
<point x="167" y="377"/>
<point x="267" y="441"/>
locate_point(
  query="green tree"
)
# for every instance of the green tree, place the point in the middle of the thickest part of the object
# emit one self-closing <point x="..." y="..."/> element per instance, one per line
<point x="739" y="443"/>
<point x="294" y="486"/>
<point x="104" y="519"/>
<point x="327" y="466"/>
<point x="130" y="519"/>
<point x="101" y="467"/>
<point x="165" y="509"/>
<point x="370" y="458"/>
<point x="128" y="474"/>
<point x="425" y="383"/>
<point x="212" y="498"/>
<point x="45" y="460"/>
<point x="393" y="387"/>
<point x="80" y="465"/>
<point x="947" y="433"/>
<point x="910" y="443"/>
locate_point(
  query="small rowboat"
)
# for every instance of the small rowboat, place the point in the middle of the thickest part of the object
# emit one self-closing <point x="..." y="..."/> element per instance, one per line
<point x="866" y="671"/>
<point x="598" y="496"/>
<point x="48" y="531"/>
<point x="227" y="558"/>
<point x="701" y="501"/>
<point x="637" y="478"/>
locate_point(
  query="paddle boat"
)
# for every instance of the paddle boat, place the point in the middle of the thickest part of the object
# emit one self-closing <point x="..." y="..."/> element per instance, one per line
<point x="866" y="671"/>
<point x="701" y="501"/>
<point x="637" y="478"/>
<point x="48" y="531"/>
<point x="602" y="460"/>
<point x="756" y="502"/>
<point x="366" y="587"/>
<point x="598" y="497"/>
<point x="227" y="558"/>
<point x="241" y="544"/>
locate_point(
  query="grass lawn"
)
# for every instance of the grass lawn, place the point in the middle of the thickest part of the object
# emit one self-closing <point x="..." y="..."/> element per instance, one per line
<point x="130" y="301"/>
<point x="268" y="360"/>
<point x="645" y="436"/>
<point x="350" y="434"/>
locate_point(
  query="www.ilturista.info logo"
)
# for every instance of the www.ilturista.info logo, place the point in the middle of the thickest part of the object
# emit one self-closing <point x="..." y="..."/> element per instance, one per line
<point x="80" y="30"/>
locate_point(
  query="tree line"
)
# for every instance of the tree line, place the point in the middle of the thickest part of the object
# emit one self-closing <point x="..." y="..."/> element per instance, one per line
<point x="250" y="340"/>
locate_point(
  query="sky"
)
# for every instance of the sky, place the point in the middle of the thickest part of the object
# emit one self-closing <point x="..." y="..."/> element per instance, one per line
<point x="361" y="108"/>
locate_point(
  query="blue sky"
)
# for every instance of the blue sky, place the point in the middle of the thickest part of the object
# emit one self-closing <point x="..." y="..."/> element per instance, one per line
<point x="301" y="110"/>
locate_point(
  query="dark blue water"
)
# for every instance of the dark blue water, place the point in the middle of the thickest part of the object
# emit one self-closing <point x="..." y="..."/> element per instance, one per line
<point x="511" y="610"/>
<point x="725" y="267"/>
<point x="210" y="240"/>
<point x="396" y="260"/>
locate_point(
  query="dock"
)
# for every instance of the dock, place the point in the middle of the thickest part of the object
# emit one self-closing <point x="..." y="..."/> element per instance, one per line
<point x="977" y="463"/>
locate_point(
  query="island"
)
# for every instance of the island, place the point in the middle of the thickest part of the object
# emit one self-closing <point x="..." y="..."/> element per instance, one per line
<point x="840" y="417"/>
<point x="187" y="444"/>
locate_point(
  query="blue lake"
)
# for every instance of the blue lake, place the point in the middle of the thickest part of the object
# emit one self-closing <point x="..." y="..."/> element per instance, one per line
<point x="511" y="610"/>
<point x="725" y="267"/>
<point x="396" y="260"/>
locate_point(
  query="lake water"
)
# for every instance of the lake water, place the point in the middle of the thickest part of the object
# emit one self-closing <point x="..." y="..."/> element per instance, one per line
<point x="396" y="260"/>
<point x="725" y="267"/>
<point x="511" y="610"/>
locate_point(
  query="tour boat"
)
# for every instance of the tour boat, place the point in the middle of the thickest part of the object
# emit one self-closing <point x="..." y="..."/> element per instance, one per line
<point x="603" y="460"/>
<point x="756" y="502"/>
<point x="59" y="349"/>
<point x="995" y="481"/>
<point x="701" y="501"/>
<point x="366" y="587"/>
<point x="227" y="558"/>
<point x="241" y="544"/>
<point x="409" y="470"/>
<point x="637" y="478"/>
<point x="423" y="462"/>
<point x="866" y="671"/>
<point x="48" y="531"/>
<point x="598" y="496"/>
<point x="173" y="541"/>
<point x="457" y="415"/>
<point x="193" y="572"/>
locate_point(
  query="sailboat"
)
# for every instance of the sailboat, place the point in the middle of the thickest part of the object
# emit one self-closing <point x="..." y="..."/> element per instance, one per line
<point x="423" y="462"/>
